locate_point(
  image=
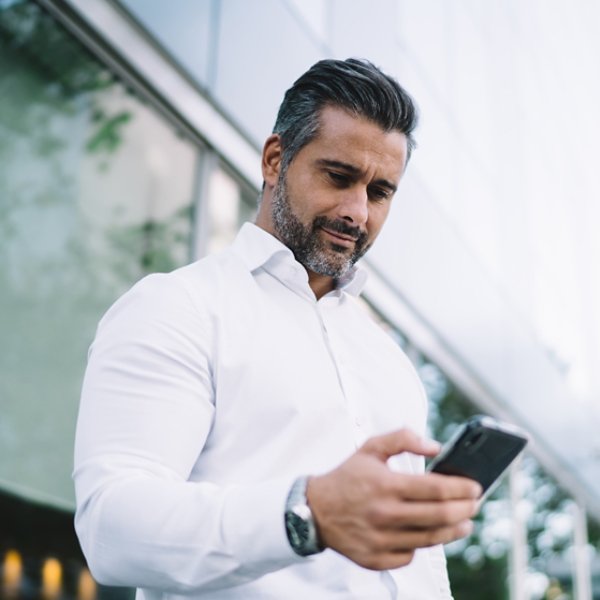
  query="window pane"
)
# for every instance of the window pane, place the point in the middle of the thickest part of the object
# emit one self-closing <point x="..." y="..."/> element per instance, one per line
<point x="230" y="203"/>
<point x="95" y="191"/>
<point x="184" y="27"/>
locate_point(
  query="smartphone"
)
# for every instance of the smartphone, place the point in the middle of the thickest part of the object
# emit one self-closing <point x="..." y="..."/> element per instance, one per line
<point x="481" y="449"/>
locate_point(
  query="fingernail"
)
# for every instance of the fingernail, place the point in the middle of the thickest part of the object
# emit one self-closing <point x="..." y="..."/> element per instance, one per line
<point x="477" y="490"/>
<point x="466" y="528"/>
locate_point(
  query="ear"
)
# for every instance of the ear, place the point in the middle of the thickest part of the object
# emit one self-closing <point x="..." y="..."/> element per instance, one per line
<point x="271" y="160"/>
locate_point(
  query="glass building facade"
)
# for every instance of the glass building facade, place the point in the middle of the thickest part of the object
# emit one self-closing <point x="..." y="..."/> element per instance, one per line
<point x="106" y="176"/>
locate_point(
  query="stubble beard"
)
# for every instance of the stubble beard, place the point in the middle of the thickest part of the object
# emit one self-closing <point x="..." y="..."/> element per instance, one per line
<point x="305" y="241"/>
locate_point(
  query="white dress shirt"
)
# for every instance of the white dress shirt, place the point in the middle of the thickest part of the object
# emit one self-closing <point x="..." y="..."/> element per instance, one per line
<point x="208" y="391"/>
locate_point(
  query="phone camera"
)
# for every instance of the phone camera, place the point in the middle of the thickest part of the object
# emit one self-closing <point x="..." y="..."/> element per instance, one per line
<point x="474" y="441"/>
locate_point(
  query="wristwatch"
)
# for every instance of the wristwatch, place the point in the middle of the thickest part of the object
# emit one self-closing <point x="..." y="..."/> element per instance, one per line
<point x="299" y="522"/>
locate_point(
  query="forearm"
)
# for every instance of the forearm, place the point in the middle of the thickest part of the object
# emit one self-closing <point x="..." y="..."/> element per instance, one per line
<point x="147" y="409"/>
<point x="142" y="530"/>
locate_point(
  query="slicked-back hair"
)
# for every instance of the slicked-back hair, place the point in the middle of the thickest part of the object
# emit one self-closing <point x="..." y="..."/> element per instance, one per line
<point x="355" y="85"/>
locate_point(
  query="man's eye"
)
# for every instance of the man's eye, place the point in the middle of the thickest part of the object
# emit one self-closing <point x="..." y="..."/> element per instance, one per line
<point x="338" y="178"/>
<point x="379" y="194"/>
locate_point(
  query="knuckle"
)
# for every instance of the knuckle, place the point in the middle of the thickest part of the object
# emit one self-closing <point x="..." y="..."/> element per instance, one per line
<point x="384" y="515"/>
<point x="369" y="445"/>
<point x="380" y="486"/>
<point x="369" y="562"/>
<point x="446" y="513"/>
<point x="406" y="434"/>
<point x="379" y="543"/>
<point x="378" y="517"/>
<point x="433" y="537"/>
<point x="401" y="485"/>
<point x="405" y="558"/>
<point x="439" y="536"/>
<point x="373" y="514"/>
<point x="374" y="547"/>
<point x="438" y="488"/>
<point x="373" y="562"/>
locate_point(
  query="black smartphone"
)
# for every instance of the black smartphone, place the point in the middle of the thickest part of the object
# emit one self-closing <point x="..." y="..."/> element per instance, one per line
<point x="481" y="449"/>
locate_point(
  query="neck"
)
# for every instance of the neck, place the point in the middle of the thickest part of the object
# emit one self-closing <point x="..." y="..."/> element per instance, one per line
<point x="320" y="284"/>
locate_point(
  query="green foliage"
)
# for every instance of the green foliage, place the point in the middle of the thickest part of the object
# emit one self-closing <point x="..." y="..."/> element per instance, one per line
<point x="67" y="254"/>
<point x="51" y="53"/>
<point x="152" y="242"/>
<point x="108" y="136"/>
<point x="484" y="579"/>
<point x="53" y="89"/>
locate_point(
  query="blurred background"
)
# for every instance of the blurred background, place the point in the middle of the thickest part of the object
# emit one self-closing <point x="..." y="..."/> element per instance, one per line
<point x="130" y="139"/>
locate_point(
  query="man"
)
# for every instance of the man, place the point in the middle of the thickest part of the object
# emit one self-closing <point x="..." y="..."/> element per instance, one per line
<point x="245" y="430"/>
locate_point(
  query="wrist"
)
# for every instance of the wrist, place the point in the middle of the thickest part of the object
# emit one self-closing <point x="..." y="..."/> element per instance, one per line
<point x="300" y="524"/>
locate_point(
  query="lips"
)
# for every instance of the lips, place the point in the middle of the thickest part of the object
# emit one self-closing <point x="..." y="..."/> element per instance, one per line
<point x="343" y="237"/>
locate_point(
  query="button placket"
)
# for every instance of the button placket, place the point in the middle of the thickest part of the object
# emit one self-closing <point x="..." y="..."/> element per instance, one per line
<point x="341" y="366"/>
<point x="330" y="351"/>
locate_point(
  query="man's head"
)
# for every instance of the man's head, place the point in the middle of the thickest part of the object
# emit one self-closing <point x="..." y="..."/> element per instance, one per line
<point x="340" y="145"/>
<point x="355" y="85"/>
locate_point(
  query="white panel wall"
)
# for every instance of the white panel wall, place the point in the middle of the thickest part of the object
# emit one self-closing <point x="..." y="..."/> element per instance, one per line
<point x="492" y="246"/>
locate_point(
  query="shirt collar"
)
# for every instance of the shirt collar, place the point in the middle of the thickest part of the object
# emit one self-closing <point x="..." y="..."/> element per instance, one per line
<point x="257" y="248"/>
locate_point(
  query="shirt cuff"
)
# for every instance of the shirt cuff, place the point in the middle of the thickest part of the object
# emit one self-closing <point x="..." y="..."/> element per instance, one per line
<point x="253" y="526"/>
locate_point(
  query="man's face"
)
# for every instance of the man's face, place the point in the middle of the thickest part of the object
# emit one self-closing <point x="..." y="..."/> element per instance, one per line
<point x="306" y="242"/>
<point x="330" y="205"/>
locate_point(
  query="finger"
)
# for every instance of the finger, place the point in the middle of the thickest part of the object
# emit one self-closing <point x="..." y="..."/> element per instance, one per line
<point x="423" y="515"/>
<point x="429" y="515"/>
<point x="434" y="486"/>
<point x="422" y="538"/>
<point x="396" y="549"/>
<point x="383" y="561"/>
<point x="396" y="442"/>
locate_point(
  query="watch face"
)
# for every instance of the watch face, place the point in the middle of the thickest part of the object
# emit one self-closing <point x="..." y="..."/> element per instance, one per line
<point x="297" y="530"/>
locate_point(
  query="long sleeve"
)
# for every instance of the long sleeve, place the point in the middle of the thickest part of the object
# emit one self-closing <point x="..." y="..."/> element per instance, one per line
<point x="208" y="391"/>
<point x="146" y="412"/>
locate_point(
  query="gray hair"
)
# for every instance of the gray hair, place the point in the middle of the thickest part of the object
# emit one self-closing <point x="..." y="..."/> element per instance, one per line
<point x="355" y="85"/>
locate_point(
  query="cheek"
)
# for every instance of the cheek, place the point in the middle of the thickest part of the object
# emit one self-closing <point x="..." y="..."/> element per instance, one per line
<point x="377" y="218"/>
<point x="309" y="203"/>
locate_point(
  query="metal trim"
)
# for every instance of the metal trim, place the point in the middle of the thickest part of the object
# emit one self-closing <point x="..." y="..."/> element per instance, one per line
<point x="117" y="40"/>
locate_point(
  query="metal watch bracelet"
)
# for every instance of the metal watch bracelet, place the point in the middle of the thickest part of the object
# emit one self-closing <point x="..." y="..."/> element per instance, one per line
<point x="299" y="521"/>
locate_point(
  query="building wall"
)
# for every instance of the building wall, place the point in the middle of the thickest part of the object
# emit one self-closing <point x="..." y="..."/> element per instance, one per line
<point x="110" y="169"/>
<point x="486" y="253"/>
<point x="490" y="242"/>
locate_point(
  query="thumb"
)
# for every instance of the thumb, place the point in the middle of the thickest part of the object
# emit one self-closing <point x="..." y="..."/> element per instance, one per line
<point x="396" y="442"/>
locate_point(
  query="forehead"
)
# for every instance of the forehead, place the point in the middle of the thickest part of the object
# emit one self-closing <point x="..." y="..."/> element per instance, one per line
<point x="345" y="137"/>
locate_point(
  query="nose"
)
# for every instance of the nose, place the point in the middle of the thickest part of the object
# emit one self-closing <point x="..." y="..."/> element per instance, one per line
<point x="354" y="207"/>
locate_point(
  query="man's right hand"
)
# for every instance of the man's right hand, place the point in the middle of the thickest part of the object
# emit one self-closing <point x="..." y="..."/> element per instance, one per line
<point x="378" y="518"/>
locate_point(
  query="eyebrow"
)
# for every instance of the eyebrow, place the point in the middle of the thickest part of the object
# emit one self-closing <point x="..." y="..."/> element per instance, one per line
<point x="354" y="171"/>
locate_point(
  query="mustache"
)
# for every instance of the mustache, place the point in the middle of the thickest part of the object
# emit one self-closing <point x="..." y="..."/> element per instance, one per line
<point x="342" y="227"/>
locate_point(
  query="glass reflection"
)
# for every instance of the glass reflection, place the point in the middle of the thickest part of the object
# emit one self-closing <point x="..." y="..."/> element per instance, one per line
<point x="95" y="191"/>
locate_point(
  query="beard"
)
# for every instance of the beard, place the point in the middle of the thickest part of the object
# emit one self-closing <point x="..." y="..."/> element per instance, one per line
<point x="306" y="243"/>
